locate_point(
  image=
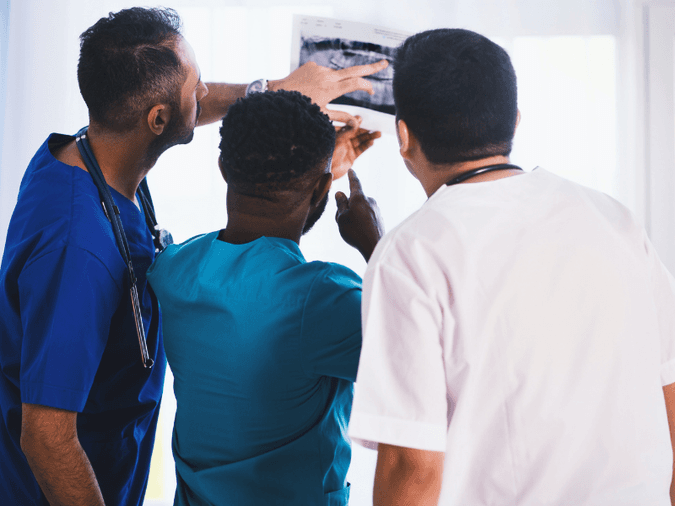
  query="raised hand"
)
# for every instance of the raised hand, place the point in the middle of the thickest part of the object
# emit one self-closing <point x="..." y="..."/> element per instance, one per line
<point x="323" y="84"/>
<point x="350" y="142"/>
<point x="358" y="218"/>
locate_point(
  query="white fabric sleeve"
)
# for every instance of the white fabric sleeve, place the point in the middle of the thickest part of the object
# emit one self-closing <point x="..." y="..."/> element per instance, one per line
<point x="400" y="392"/>
<point x="664" y="298"/>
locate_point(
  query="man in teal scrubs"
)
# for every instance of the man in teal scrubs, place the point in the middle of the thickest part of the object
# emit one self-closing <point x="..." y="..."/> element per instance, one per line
<point x="264" y="346"/>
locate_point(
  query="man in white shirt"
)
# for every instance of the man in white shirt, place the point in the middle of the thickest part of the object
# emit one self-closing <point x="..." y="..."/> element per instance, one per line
<point x="518" y="329"/>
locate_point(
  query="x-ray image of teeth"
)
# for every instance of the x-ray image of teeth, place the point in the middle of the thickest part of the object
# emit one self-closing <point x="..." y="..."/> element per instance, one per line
<point x="339" y="53"/>
<point x="338" y="44"/>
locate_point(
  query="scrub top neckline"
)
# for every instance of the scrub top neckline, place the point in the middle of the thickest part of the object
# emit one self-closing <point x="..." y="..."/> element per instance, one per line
<point x="281" y="240"/>
<point x="80" y="171"/>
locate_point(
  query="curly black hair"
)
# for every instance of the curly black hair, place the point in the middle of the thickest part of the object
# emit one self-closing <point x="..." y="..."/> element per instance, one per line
<point x="270" y="140"/>
<point x="128" y="60"/>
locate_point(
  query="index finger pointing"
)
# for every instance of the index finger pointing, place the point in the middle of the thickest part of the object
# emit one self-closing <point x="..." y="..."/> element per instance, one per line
<point x="362" y="70"/>
<point x="354" y="183"/>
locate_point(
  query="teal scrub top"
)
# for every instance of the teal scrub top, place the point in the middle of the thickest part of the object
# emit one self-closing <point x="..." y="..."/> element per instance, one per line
<point x="264" y="348"/>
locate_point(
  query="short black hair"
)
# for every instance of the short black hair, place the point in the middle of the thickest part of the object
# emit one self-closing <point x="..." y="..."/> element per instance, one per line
<point x="270" y="141"/>
<point x="456" y="90"/>
<point x="128" y="63"/>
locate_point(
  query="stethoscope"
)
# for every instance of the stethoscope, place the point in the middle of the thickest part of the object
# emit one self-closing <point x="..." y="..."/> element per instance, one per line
<point x="161" y="238"/>
<point x="481" y="170"/>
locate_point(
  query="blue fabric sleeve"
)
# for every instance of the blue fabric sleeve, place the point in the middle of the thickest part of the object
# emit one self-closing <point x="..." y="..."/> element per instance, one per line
<point x="331" y="324"/>
<point x="67" y="299"/>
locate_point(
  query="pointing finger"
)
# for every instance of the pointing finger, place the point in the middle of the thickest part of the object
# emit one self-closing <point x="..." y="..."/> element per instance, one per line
<point x="362" y="70"/>
<point x="354" y="183"/>
<point x="353" y="84"/>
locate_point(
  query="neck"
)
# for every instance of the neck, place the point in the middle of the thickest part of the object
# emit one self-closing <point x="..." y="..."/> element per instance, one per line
<point x="249" y="218"/>
<point x="434" y="176"/>
<point x="122" y="158"/>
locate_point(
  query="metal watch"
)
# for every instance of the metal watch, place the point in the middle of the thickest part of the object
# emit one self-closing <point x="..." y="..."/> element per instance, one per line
<point x="257" y="86"/>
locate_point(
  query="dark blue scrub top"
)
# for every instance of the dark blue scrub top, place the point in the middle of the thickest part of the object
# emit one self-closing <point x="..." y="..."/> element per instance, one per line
<point x="67" y="332"/>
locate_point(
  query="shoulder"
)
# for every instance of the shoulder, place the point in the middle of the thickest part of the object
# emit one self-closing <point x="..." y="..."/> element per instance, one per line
<point x="332" y="287"/>
<point x="177" y="253"/>
<point x="58" y="207"/>
<point x="332" y="276"/>
<point x="588" y="207"/>
<point x="44" y="166"/>
<point x="415" y="236"/>
<point x="191" y="247"/>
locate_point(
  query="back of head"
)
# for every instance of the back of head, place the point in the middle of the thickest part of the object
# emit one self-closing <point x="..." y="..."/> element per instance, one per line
<point x="275" y="142"/>
<point x="128" y="63"/>
<point x="456" y="91"/>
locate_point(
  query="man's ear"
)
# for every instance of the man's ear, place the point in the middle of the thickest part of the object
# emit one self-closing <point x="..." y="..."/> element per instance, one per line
<point x="158" y="118"/>
<point x="517" y="121"/>
<point x="321" y="188"/>
<point x="405" y="139"/>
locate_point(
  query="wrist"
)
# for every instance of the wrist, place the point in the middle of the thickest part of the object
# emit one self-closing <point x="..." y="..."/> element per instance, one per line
<point x="368" y="247"/>
<point x="274" y="85"/>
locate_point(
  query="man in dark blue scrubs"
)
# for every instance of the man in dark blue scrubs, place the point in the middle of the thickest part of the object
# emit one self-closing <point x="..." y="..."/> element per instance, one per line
<point x="78" y="409"/>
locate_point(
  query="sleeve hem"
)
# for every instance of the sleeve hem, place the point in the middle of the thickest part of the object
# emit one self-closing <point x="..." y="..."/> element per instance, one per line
<point x="52" y="396"/>
<point x="65" y="245"/>
<point x="368" y="430"/>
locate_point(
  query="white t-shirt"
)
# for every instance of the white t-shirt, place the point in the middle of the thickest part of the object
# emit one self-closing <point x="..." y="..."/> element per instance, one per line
<point x="525" y="326"/>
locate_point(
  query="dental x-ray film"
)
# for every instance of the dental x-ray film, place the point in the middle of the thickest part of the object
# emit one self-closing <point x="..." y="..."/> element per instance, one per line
<point x="341" y="44"/>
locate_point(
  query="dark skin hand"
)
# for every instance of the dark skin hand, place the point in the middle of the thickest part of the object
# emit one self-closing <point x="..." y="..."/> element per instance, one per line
<point x="407" y="477"/>
<point x="350" y="142"/>
<point x="358" y="218"/>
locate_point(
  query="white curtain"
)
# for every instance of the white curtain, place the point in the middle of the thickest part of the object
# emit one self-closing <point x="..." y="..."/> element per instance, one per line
<point x="578" y="63"/>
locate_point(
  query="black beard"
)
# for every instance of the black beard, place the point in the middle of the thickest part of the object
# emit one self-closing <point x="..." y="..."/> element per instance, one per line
<point x="176" y="132"/>
<point x="314" y="217"/>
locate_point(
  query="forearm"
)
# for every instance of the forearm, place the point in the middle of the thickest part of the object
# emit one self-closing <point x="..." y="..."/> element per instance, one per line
<point x="406" y="477"/>
<point x="63" y="472"/>
<point x="219" y="99"/>
<point x="669" y="394"/>
<point x="222" y="95"/>
<point x="404" y="490"/>
<point x="319" y="83"/>
<point x="61" y="467"/>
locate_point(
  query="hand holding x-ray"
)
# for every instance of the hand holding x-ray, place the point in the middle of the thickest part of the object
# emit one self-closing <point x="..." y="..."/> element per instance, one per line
<point x="350" y="142"/>
<point x="323" y="84"/>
